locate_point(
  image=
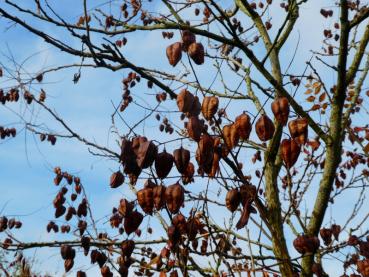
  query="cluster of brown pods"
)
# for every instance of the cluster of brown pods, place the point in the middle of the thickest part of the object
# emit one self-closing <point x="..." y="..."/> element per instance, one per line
<point x="188" y="44"/>
<point x="306" y="244"/>
<point x="7" y="132"/>
<point x="11" y="96"/>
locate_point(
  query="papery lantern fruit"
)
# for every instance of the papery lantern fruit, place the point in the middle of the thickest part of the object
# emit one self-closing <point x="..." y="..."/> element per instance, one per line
<point x="132" y="222"/>
<point x="326" y="234"/>
<point x="187" y="176"/>
<point x="159" y="197"/>
<point x="290" y="152"/>
<point x="281" y="110"/>
<point x="264" y="128"/>
<point x="146" y="200"/>
<point x="233" y="199"/>
<point x="185" y="101"/>
<point x="205" y="153"/>
<point x="145" y="151"/>
<point x="125" y="207"/>
<point x="163" y="164"/>
<point x="68" y="264"/>
<point x="363" y="267"/>
<point x="128" y="158"/>
<point x="116" y="179"/>
<point x="306" y="244"/>
<point x="174" y="53"/>
<point x="127" y="247"/>
<point x="181" y="159"/>
<point x="187" y="39"/>
<point x="299" y="130"/>
<point x="336" y="230"/>
<point x="230" y="135"/>
<point x="243" y="126"/>
<point x="174" y="197"/>
<point x="197" y="53"/>
<point x="195" y="127"/>
<point x="209" y="106"/>
<point x="179" y="221"/>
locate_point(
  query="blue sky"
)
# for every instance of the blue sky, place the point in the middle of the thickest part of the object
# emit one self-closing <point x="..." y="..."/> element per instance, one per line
<point x="26" y="165"/>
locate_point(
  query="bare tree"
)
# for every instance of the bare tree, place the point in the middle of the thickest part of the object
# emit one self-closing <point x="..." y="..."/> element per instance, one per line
<point x="264" y="138"/>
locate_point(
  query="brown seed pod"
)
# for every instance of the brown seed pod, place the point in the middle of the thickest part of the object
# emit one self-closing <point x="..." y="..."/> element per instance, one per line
<point x="306" y="244"/>
<point x="85" y="243"/>
<point x="209" y="106"/>
<point x="230" y="136"/>
<point x="81" y="274"/>
<point x="233" y="199"/>
<point x="132" y="222"/>
<point x="299" y="130"/>
<point x="197" y="53"/>
<point x="159" y="197"/>
<point x="336" y="230"/>
<point x="264" y="128"/>
<point x="125" y="207"/>
<point x="290" y="152"/>
<point x="116" y="179"/>
<point x="163" y="164"/>
<point x="181" y="159"/>
<point x="187" y="39"/>
<point x="216" y="158"/>
<point x="174" y="236"/>
<point x="174" y="197"/>
<point x="174" y="53"/>
<point x="128" y="158"/>
<point x="145" y="199"/>
<point x="179" y="221"/>
<point x="326" y="235"/>
<point x="205" y="153"/>
<point x="127" y="248"/>
<point x="243" y="126"/>
<point x="363" y="267"/>
<point x="185" y="100"/>
<point x="68" y="264"/>
<point x="187" y="176"/>
<point x="145" y="151"/>
<point x="281" y="110"/>
<point x="194" y="127"/>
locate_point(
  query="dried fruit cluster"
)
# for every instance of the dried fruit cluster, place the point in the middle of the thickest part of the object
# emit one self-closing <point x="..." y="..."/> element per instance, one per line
<point x="11" y="96"/>
<point x="188" y="44"/>
<point x="7" y="132"/>
<point x="306" y="244"/>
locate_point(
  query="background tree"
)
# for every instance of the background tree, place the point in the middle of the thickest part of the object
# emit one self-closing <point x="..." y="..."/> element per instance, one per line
<point x="250" y="151"/>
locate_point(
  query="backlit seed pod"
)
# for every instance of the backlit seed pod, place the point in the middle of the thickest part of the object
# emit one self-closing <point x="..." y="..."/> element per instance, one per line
<point x="233" y="199"/>
<point x="197" y="53"/>
<point x="127" y="248"/>
<point x="194" y="127"/>
<point x="163" y="164"/>
<point x="59" y="211"/>
<point x="68" y="264"/>
<point x="363" y="267"/>
<point x="145" y="151"/>
<point x="205" y="153"/>
<point x="67" y="252"/>
<point x="264" y="128"/>
<point x="179" y="221"/>
<point x="194" y="226"/>
<point x="125" y="207"/>
<point x="243" y="125"/>
<point x="132" y="222"/>
<point x="174" y="53"/>
<point x="128" y="158"/>
<point x="185" y="100"/>
<point x="195" y="108"/>
<point x="187" y="176"/>
<point x="116" y="179"/>
<point x="215" y="164"/>
<point x="299" y="130"/>
<point x="326" y="235"/>
<point x="281" y="110"/>
<point x="230" y="136"/>
<point x="290" y="152"/>
<point x="159" y="197"/>
<point x="209" y="106"/>
<point x="173" y="236"/>
<point x="247" y="192"/>
<point x="145" y="199"/>
<point x="181" y="159"/>
<point x="85" y="243"/>
<point x="336" y="230"/>
<point x="174" y="197"/>
<point x="187" y="39"/>
<point x="306" y="244"/>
